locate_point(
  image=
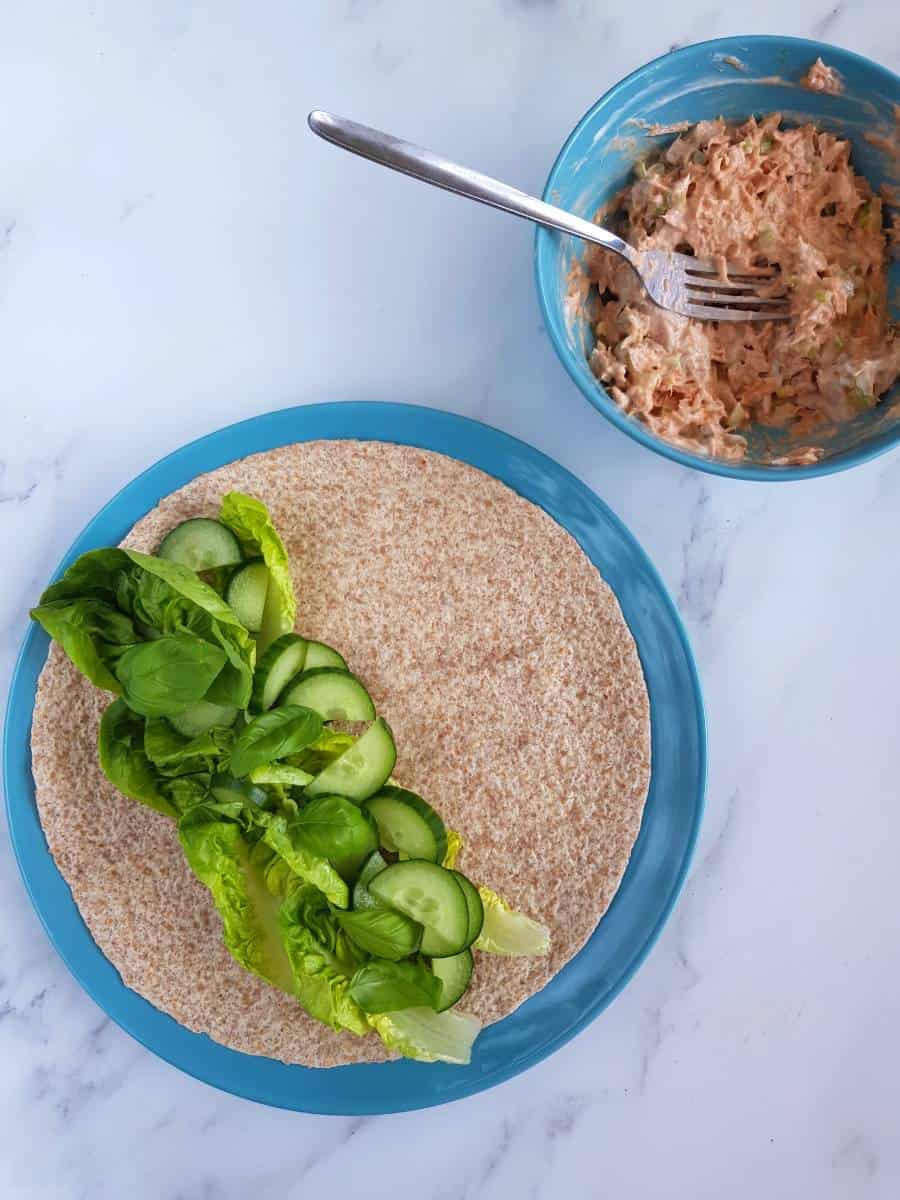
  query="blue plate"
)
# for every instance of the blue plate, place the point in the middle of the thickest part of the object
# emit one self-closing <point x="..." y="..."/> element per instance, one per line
<point x="661" y="854"/>
<point x="734" y="78"/>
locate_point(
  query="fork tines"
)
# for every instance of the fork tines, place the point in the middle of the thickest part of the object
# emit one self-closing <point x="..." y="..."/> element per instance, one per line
<point x="735" y="298"/>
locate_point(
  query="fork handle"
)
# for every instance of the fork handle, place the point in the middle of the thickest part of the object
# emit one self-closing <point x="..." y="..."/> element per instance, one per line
<point x="441" y="172"/>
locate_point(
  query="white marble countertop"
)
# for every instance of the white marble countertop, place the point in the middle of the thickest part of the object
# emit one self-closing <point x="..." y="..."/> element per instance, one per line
<point x="176" y="252"/>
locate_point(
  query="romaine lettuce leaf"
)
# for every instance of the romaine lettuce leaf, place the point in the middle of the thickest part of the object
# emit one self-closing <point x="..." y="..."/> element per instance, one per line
<point x="508" y="932"/>
<point x="249" y="520"/>
<point x="124" y="761"/>
<point x="167" y="597"/>
<point x="323" y="960"/>
<point x="283" y="837"/>
<point x="454" y="846"/>
<point x="249" y="901"/>
<point x="109" y="599"/>
<point x="173" y="754"/>
<point x="428" y="1036"/>
<point x="92" y="633"/>
<point x="329" y="745"/>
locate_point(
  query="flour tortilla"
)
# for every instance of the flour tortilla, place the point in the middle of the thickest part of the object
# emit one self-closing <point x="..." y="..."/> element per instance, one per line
<point x="500" y="659"/>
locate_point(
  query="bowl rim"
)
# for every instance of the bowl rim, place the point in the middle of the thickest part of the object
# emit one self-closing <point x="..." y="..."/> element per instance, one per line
<point x="593" y="391"/>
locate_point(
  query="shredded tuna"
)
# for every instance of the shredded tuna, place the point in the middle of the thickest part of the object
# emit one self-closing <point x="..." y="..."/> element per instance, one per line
<point x="820" y="78"/>
<point x="753" y="194"/>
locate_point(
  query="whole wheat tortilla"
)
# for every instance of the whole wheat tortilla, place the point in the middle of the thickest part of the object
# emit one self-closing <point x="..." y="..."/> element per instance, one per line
<point x="501" y="661"/>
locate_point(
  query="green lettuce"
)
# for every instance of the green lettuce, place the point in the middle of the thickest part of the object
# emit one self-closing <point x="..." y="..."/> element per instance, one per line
<point x="168" y="598"/>
<point x="249" y="520"/>
<point x="124" y="761"/>
<point x="323" y="960"/>
<point x="428" y="1036"/>
<point x="280" y="775"/>
<point x="92" y="633"/>
<point x="247" y="882"/>
<point x="384" y="933"/>
<point x="454" y="846"/>
<point x="284" y="838"/>
<point x="173" y="754"/>
<point x="338" y="830"/>
<point x="112" y="604"/>
<point x="272" y="735"/>
<point x="162" y="678"/>
<point x="329" y="745"/>
<point x="508" y="932"/>
<point x="380" y="986"/>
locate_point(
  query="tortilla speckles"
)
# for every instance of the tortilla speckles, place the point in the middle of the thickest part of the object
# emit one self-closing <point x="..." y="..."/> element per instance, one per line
<point x="503" y="665"/>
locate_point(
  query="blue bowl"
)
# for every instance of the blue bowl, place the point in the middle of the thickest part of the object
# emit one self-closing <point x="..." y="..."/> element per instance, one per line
<point x="733" y="78"/>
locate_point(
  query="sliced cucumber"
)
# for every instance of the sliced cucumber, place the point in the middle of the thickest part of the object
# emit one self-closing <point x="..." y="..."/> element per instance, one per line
<point x="408" y="825"/>
<point x="203" y="716"/>
<point x="277" y="667"/>
<point x="430" y="895"/>
<point x="362" y="768"/>
<point x="227" y="789"/>
<point x="333" y="693"/>
<point x="455" y="974"/>
<point x="320" y="655"/>
<point x="246" y="595"/>
<point x="362" y="897"/>
<point x="201" y="544"/>
<point x="474" y="905"/>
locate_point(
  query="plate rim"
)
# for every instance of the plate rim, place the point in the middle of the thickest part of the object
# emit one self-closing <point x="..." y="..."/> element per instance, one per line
<point x="426" y="430"/>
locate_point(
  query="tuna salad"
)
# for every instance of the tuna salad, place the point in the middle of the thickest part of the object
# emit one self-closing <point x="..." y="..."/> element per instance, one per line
<point x="754" y="194"/>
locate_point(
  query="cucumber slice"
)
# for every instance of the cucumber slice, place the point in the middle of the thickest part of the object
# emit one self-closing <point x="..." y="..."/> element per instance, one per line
<point x="474" y="905"/>
<point x="455" y="974"/>
<point x="334" y="694"/>
<point x="362" y="768"/>
<point x="362" y="897"/>
<point x="201" y="544"/>
<point x="246" y="595"/>
<point x="228" y="789"/>
<point x="200" y="717"/>
<point x="320" y="655"/>
<point x="431" y="896"/>
<point x="277" y="667"/>
<point x="408" y="825"/>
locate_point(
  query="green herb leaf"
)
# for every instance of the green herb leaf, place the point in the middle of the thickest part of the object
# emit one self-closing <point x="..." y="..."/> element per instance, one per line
<point x="386" y="987"/>
<point x="161" y="678"/>
<point x="272" y="735"/>
<point x="337" y="829"/>
<point x="382" y="932"/>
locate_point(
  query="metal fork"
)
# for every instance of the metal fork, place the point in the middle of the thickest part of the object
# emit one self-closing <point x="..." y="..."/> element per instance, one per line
<point x="691" y="286"/>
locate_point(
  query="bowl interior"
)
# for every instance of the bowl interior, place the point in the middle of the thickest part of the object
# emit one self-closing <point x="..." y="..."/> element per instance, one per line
<point x="733" y="78"/>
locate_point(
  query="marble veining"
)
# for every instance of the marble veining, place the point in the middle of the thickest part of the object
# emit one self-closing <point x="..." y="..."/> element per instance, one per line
<point x="176" y="252"/>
